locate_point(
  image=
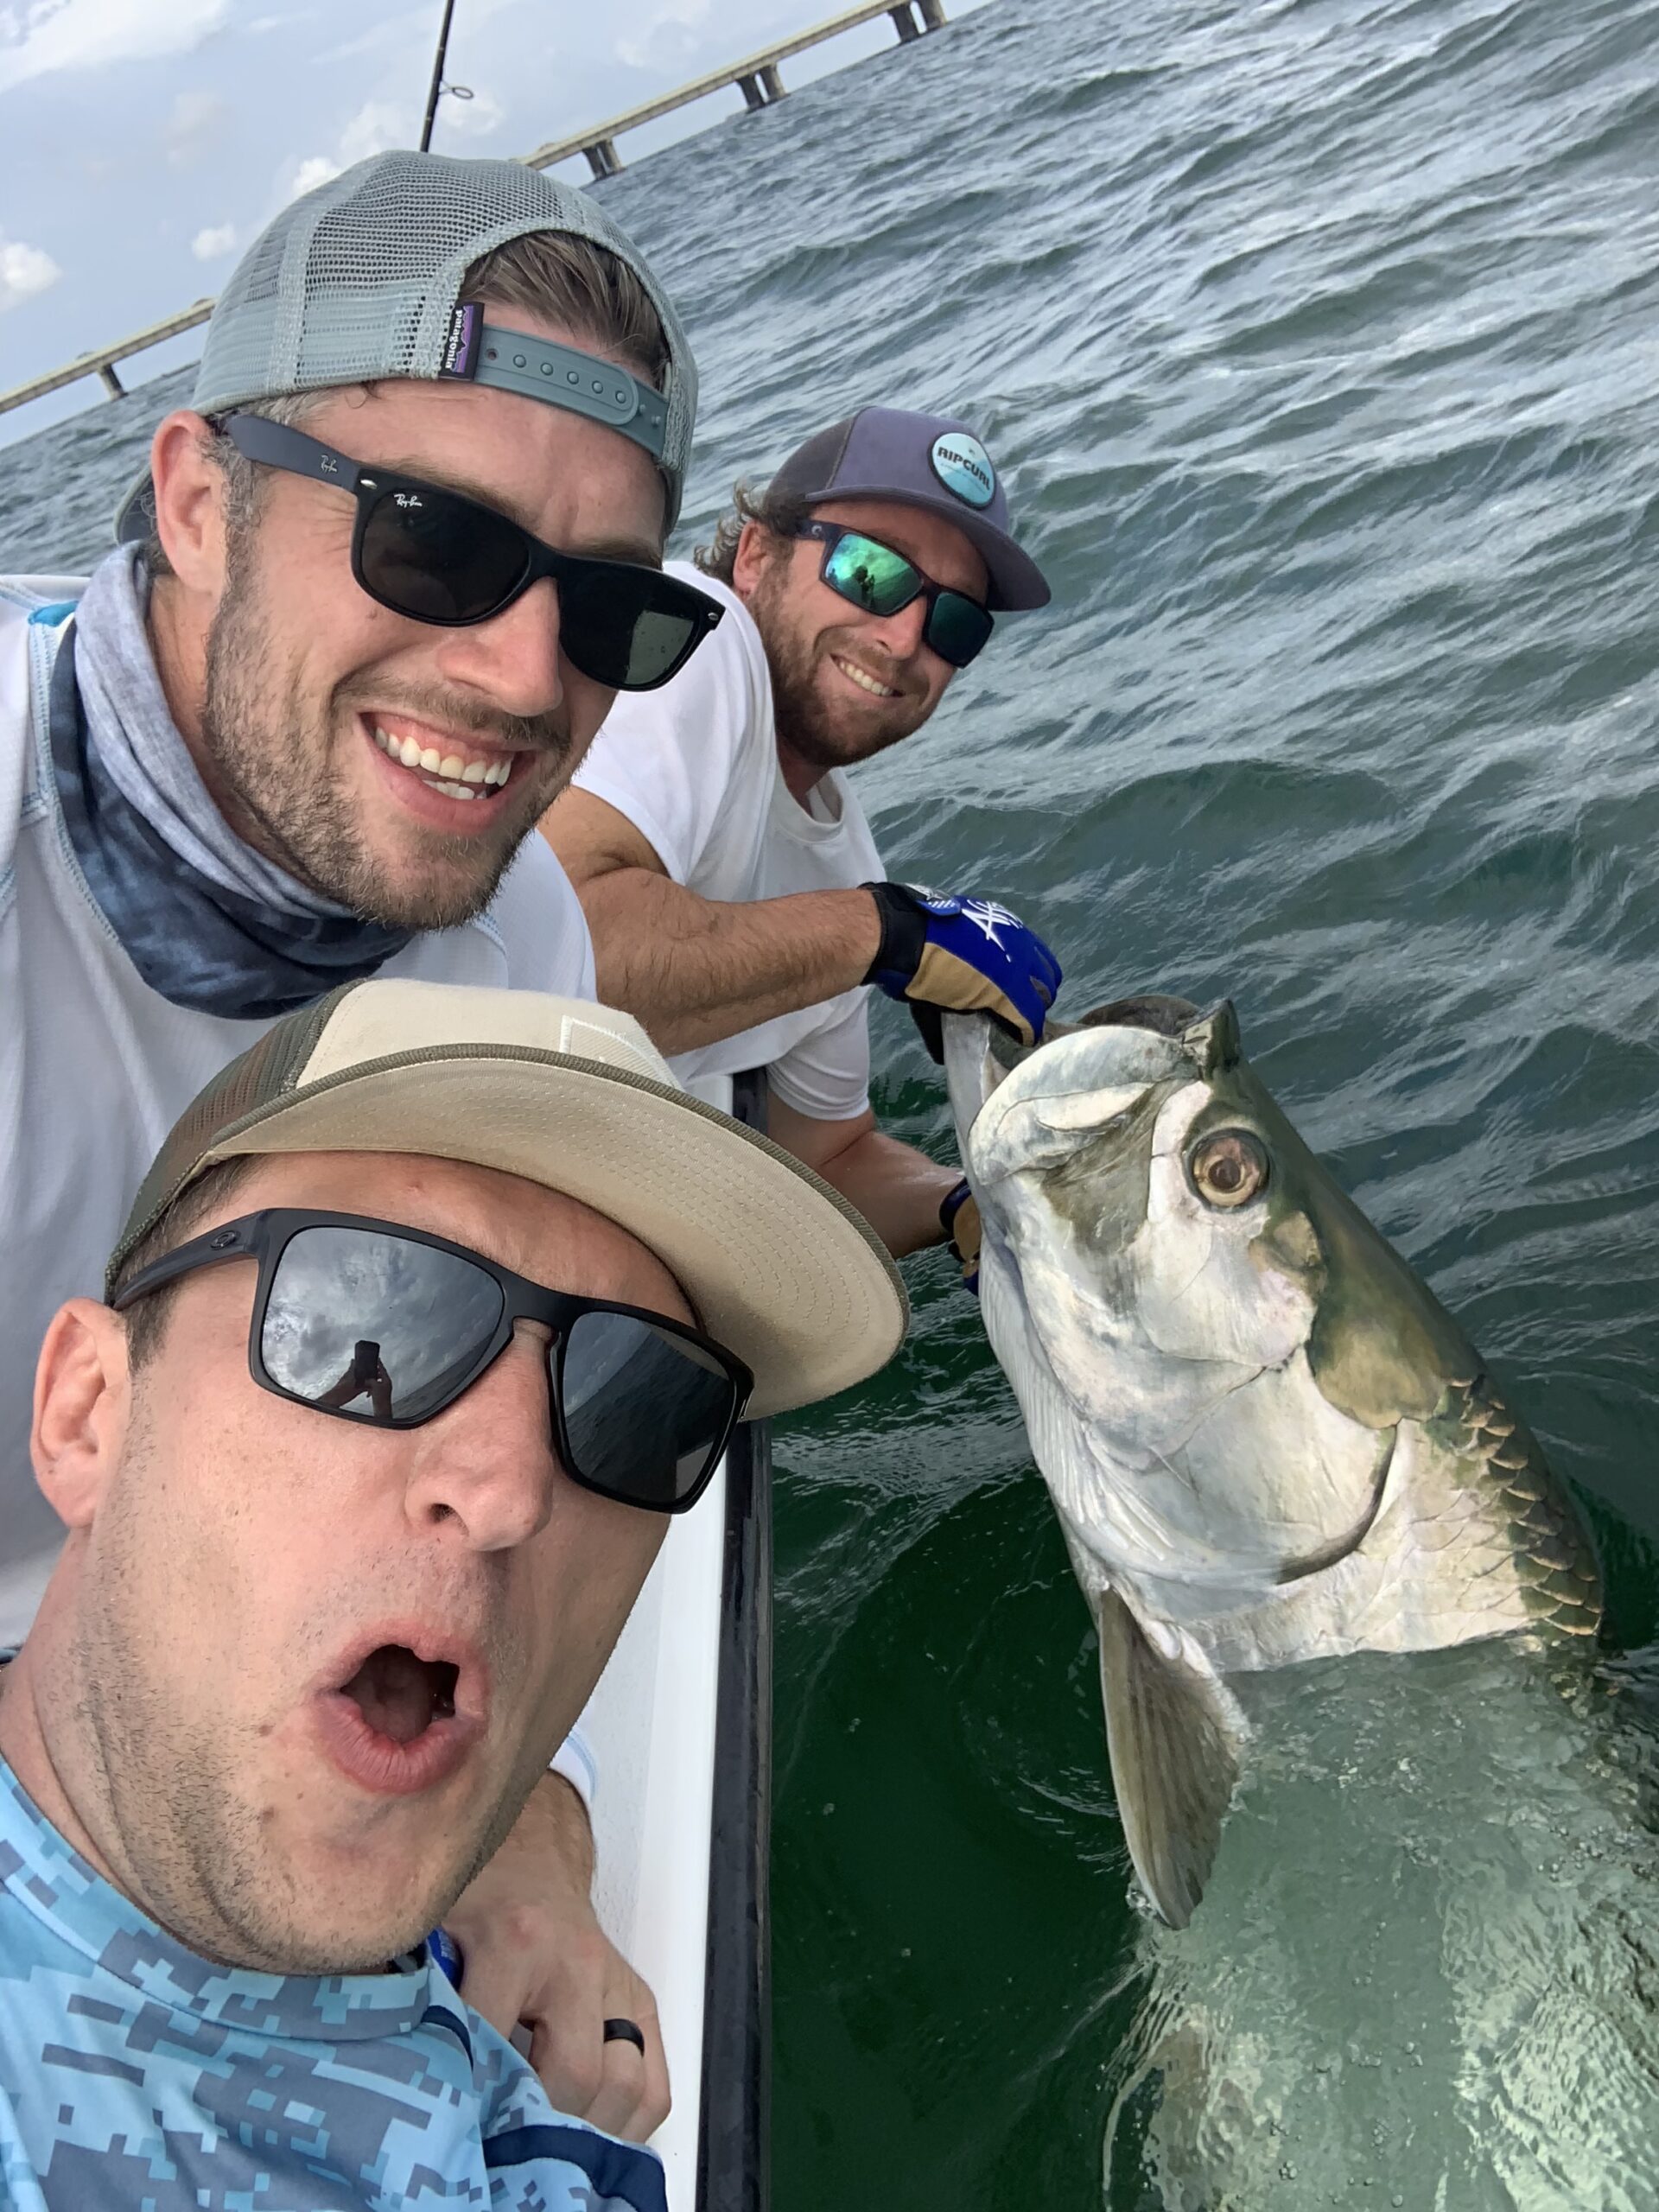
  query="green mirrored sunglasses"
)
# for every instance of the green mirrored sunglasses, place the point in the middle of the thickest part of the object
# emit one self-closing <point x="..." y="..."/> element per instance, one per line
<point x="878" y="581"/>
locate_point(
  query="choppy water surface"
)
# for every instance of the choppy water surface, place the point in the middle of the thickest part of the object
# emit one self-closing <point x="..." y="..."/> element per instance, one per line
<point x="1319" y="343"/>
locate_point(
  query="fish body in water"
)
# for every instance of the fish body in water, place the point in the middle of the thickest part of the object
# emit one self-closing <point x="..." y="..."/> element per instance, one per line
<point x="1266" y="1439"/>
<point x="1343" y="1607"/>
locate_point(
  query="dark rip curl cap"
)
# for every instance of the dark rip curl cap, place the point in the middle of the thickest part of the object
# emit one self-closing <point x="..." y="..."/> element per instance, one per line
<point x="921" y="460"/>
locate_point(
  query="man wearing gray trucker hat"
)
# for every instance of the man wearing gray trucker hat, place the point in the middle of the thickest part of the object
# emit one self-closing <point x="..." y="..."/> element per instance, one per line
<point x="729" y="878"/>
<point x="377" y="589"/>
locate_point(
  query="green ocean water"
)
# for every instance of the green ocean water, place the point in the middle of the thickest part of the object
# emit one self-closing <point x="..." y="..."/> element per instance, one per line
<point x="1317" y="341"/>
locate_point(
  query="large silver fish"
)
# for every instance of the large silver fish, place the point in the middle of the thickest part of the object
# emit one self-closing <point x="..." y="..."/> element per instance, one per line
<point x="1267" y="1441"/>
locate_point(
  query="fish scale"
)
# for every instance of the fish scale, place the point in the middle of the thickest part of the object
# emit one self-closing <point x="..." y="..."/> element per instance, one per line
<point x="1551" y="1555"/>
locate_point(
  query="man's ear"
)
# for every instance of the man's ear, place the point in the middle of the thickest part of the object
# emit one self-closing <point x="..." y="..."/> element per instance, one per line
<point x="189" y="502"/>
<point x="756" y="550"/>
<point x="82" y="1394"/>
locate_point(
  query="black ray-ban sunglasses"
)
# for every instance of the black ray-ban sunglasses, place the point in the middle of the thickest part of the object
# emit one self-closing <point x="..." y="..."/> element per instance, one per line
<point x="879" y="580"/>
<point x="371" y="1322"/>
<point x="440" y="558"/>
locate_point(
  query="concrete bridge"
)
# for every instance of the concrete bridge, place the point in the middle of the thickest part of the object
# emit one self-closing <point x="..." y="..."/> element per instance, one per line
<point x="757" y="77"/>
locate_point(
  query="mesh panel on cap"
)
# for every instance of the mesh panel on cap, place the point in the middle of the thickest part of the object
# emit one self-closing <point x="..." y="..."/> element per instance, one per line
<point x="358" y="280"/>
<point x="268" y="1070"/>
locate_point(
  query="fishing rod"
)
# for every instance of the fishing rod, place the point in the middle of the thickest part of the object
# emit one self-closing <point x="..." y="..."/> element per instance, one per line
<point x="437" y="88"/>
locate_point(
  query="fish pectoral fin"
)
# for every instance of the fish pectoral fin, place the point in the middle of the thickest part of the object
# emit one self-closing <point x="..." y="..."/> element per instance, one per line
<point x="1173" y="1734"/>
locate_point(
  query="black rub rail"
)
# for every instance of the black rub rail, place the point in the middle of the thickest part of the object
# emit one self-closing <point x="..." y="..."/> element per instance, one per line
<point x="734" y="2129"/>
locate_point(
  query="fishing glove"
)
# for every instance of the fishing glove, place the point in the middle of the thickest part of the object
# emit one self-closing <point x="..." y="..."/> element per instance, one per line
<point x="959" y="1218"/>
<point x="964" y="956"/>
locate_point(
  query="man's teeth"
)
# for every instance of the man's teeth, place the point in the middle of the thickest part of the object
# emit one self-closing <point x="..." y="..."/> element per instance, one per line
<point x="454" y="777"/>
<point x="865" y="683"/>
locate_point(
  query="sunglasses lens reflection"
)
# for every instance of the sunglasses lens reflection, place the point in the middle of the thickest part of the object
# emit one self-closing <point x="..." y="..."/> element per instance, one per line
<point x="370" y="1324"/>
<point x="618" y="625"/>
<point x="373" y="1326"/>
<point x="872" y="576"/>
<point x="645" y="1412"/>
<point x="957" y="628"/>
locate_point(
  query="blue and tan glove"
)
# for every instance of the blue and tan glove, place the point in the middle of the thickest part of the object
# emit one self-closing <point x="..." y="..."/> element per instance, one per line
<point x="964" y="955"/>
<point x="959" y="1218"/>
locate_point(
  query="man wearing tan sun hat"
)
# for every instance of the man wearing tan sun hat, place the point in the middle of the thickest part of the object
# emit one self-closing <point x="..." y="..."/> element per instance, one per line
<point x="433" y="1307"/>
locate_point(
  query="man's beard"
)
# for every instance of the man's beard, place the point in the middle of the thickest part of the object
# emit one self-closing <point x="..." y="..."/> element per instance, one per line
<point x="805" y="726"/>
<point x="280" y="783"/>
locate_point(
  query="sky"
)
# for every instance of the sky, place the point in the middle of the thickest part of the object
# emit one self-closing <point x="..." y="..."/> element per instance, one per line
<point x="144" y="142"/>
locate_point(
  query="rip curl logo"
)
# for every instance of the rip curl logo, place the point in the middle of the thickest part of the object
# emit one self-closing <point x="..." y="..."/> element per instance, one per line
<point x="963" y="467"/>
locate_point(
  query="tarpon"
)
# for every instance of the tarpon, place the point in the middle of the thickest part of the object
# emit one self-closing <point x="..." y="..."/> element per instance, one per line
<point x="1344" y="1609"/>
<point x="1266" y="1439"/>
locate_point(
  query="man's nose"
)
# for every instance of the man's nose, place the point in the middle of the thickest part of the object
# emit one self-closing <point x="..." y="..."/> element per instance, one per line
<point x="514" y="656"/>
<point x="488" y="1462"/>
<point x="900" y="635"/>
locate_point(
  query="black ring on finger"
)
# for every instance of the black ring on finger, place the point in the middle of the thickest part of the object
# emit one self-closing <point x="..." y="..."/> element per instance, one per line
<point x="625" y="2031"/>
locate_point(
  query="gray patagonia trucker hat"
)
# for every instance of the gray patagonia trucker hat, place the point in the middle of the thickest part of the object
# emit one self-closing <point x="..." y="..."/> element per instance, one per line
<point x="361" y="279"/>
<point x="779" y="1269"/>
<point x="922" y="461"/>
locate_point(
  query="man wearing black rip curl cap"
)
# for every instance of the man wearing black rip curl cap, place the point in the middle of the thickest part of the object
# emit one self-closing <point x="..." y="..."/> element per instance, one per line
<point x="734" y="891"/>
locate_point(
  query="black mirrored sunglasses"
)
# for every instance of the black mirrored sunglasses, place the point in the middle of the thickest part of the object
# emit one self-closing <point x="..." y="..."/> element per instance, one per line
<point x="438" y="557"/>
<point x="369" y="1321"/>
<point x="880" y="580"/>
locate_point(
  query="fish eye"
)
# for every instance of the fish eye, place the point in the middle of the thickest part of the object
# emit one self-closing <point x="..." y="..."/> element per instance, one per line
<point x="1228" y="1168"/>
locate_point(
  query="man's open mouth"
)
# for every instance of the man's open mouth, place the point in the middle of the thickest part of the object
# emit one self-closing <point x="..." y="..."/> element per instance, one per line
<point x="454" y="766"/>
<point x="400" y="1720"/>
<point x="400" y="1694"/>
<point x="864" y="678"/>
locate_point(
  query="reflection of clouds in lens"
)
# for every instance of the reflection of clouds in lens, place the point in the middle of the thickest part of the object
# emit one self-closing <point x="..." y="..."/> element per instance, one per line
<point x="428" y="1311"/>
<point x="641" y="1408"/>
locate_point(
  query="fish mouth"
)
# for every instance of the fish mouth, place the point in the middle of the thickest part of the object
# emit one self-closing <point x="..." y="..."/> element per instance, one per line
<point x="974" y="1066"/>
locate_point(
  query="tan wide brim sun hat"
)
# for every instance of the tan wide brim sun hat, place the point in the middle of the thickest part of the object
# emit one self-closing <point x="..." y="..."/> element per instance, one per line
<point x="575" y="1096"/>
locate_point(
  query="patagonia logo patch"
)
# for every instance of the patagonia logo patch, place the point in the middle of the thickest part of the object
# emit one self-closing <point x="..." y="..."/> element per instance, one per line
<point x="460" y="342"/>
<point x="963" y="467"/>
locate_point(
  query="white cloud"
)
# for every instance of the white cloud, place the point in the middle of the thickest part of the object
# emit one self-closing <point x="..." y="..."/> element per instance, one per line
<point x="193" y="123"/>
<point x="666" y="37"/>
<point x="310" y="174"/>
<point x="217" y="238"/>
<point x="376" y="125"/>
<point x="473" y="118"/>
<point x="24" y="272"/>
<point x="44" y="35"/>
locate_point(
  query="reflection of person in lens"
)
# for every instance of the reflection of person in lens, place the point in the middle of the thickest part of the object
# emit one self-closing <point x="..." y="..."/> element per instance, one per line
<point x="366" y="1372"/>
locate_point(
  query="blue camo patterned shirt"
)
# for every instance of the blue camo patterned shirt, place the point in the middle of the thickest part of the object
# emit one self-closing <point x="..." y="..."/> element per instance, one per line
<point x="137" y="2077"/>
